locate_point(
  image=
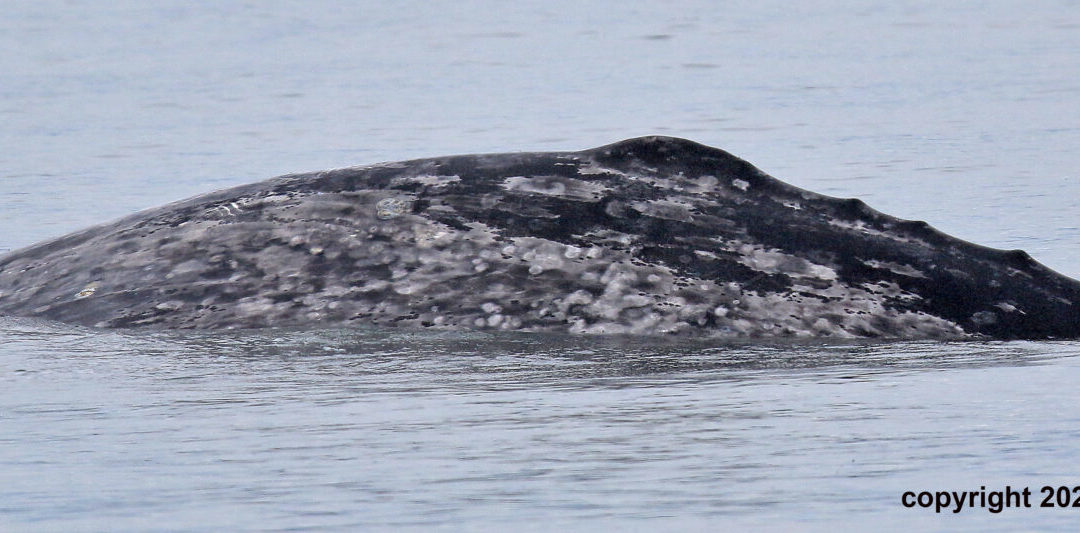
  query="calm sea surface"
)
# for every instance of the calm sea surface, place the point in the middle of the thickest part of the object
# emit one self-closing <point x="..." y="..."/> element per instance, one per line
<point x="963" y="114"/>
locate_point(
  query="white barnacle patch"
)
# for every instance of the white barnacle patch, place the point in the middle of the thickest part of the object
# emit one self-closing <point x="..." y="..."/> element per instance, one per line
<point x="406" y="287"/>
<point x="430" y="234"/>
<point x="606" y="237"/>
<point x="385" y="164"/>
<point x="667" y="208"/>
<point x="335" y="291"/>
<point x="594" y="168"/>
<point x="540" y="254"/>
<point x="254" y="306"/>
<point x="224" y="210"/>
<point x="618" y="292"/>
<point x="87" y="291"/>
<point x="546" y="185"/>
<point x="958" y="273"/>
<point x="888" y="290"/>
<point x="836" y="311"/>
<point x="389" y="208"/>
<point x="895" y="268"/>
<point x="740" y="184"/>
<point x="169" y="306"/>
<point x="429" y="180"/>
<point x="775" y="262"/>
<point x="860" y="226"/>
<point x="239" y="206"/>
<point x="1008" y="307"/>
<point x="984" y="318"/>
<point x="702" y="184"/>
<point x="273" y="199"/>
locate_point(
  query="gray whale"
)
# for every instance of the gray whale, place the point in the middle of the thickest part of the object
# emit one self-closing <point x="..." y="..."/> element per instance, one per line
<point x="653" y="235"/>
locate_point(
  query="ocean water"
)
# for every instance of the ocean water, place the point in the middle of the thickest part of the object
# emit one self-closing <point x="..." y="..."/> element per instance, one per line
<point x="963" y="114"/>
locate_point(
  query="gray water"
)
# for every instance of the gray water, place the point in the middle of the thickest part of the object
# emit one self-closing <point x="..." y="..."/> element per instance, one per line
<point x="964" y="114"/>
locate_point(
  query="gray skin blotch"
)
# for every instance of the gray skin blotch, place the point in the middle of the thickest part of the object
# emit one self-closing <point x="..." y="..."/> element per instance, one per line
<point x="388" y="208"/>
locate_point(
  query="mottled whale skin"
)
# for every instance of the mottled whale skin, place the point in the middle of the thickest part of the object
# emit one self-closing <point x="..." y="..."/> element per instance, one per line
<point x="653" y="235"/>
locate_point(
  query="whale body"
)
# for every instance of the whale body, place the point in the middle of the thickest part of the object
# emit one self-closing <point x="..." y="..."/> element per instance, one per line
<point x="653" y="235"/>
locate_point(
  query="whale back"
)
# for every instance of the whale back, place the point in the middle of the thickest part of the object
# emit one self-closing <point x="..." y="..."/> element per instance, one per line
<point x="653" y="235"/>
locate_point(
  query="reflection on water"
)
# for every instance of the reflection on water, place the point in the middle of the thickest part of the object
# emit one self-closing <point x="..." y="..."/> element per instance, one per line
<point x="394" y="428"/>
<point x="522" y="357"/>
